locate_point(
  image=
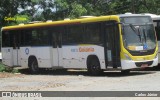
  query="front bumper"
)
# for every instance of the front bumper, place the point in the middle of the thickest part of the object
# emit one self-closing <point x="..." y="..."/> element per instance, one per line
<point x="130" y="64"/>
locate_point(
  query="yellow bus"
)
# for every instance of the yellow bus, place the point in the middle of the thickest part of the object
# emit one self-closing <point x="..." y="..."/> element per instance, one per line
<point x="125" y="42"/>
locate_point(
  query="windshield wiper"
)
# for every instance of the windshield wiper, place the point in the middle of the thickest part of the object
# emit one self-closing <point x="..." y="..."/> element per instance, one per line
<point x="137" y="33"/>
<point x="144" y="34"/>
<point x="133" y="28"/>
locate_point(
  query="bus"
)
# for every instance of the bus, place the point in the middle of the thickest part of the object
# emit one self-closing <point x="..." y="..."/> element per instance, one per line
<point x="124" y="42"/>
<point x="156" y="21"/>
<point x="0" y="53"/>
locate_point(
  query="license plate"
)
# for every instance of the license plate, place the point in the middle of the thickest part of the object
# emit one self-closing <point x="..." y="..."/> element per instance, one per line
<point x="144" y="65"/>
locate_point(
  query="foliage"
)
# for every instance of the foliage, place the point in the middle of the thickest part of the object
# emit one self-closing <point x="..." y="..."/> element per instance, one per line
<point x="9" y="8"/>
<point x="4" y="68"/>
<point x="77" y="10"/>
<point x="42" y="10"/>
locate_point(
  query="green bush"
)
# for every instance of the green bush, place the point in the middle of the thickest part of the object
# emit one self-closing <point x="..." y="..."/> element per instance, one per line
<point x="4" y="68"/>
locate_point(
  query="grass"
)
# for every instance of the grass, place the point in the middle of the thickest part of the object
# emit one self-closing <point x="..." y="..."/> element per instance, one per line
<point x="4" y="68"/>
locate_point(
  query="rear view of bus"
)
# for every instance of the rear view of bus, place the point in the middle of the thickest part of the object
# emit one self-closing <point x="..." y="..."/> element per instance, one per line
<point x="139" y="46"/>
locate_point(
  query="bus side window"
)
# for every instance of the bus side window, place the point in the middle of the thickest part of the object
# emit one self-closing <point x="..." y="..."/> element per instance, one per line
<point x="22" y="37"/>
<point x="54" y="39"/>
<point x="56" y="36"/>
<point x="93" y="33"/>
<point x="27" y="37"/>
<point x="64" y="33"/>
<point x="75" y="34"/>
<point x="43" y="37"/>
<point x="40" y="37"/>
<point x="6" y="39"/>
<point x="13" y="39"/>
<point x="34" y="38"/>
<point x="14" y="43"/>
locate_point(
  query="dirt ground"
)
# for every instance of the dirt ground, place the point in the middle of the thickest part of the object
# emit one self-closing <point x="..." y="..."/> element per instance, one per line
<point x="79" y="80"/>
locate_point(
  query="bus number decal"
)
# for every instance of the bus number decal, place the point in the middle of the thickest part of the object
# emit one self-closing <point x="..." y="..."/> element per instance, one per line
<point x="27" y="51"/>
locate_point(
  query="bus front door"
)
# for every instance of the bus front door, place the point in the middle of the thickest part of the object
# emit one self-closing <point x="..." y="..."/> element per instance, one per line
<point x="112" y="45"/>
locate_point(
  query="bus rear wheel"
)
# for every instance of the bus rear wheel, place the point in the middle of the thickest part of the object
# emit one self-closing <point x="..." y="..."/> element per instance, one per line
<point x="93" y="66"/>
<point x="34" y="69"/>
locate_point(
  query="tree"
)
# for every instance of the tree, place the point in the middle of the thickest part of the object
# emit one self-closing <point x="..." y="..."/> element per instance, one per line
<point x="77" y="10"/>
<point x="42" y="10"/>
<point x="9" y="8"/>
<point x="134" y="6"/>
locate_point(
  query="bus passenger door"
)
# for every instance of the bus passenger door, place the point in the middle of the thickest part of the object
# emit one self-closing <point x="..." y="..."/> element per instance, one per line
<point x="7" y="49"/>
<point x="112" y="45"/>
<point x="57" y="48"/>
<point x="16" y="49"/>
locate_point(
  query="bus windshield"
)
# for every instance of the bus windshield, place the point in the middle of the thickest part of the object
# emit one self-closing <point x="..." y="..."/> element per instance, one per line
<point x="139" y="36"/>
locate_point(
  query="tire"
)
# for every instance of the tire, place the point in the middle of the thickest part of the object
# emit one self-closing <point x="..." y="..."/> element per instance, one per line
<point x="125" y="72"/>
<point x="34" y="69"/>
<point x="93" y="66"/>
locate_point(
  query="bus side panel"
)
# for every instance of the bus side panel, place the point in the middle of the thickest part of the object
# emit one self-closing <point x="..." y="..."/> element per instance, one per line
<point x="7" y="56"/>
<point x="24" y="52"/>
<point x="42" y="54"/>
<point x="72" y="58"/>
<point x="76" y="56"/>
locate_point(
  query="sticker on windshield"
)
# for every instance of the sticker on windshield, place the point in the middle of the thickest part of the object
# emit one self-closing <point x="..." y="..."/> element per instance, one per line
<point x="139" y="48"/>
<point x="132" y="47"/>
<point x="145" y="46"/>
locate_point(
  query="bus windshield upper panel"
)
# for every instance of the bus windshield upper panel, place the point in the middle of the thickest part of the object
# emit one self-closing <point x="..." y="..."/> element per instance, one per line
<point x="136" y="20"/>
<point x="138" y="33"/>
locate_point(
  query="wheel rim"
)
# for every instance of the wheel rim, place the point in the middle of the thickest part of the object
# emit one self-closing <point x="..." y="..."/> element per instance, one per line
<point x="95" y="66"/>
<point x="34" y="66"/>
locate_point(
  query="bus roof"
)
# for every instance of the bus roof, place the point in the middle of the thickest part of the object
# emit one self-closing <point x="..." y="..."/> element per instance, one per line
<point x="67" y="22"/>
<point x="62" y="22"/>
<point x="130" y="14"/>
<point x="153" y="16"/>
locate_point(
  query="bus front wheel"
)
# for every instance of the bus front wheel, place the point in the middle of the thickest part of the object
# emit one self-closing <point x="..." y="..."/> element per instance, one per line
<point x="93" y="66"/>
<point x="34" y="66"/>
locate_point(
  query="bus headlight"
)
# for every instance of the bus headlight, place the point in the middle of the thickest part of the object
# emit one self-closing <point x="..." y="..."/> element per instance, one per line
<point x="127" y="57"/>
